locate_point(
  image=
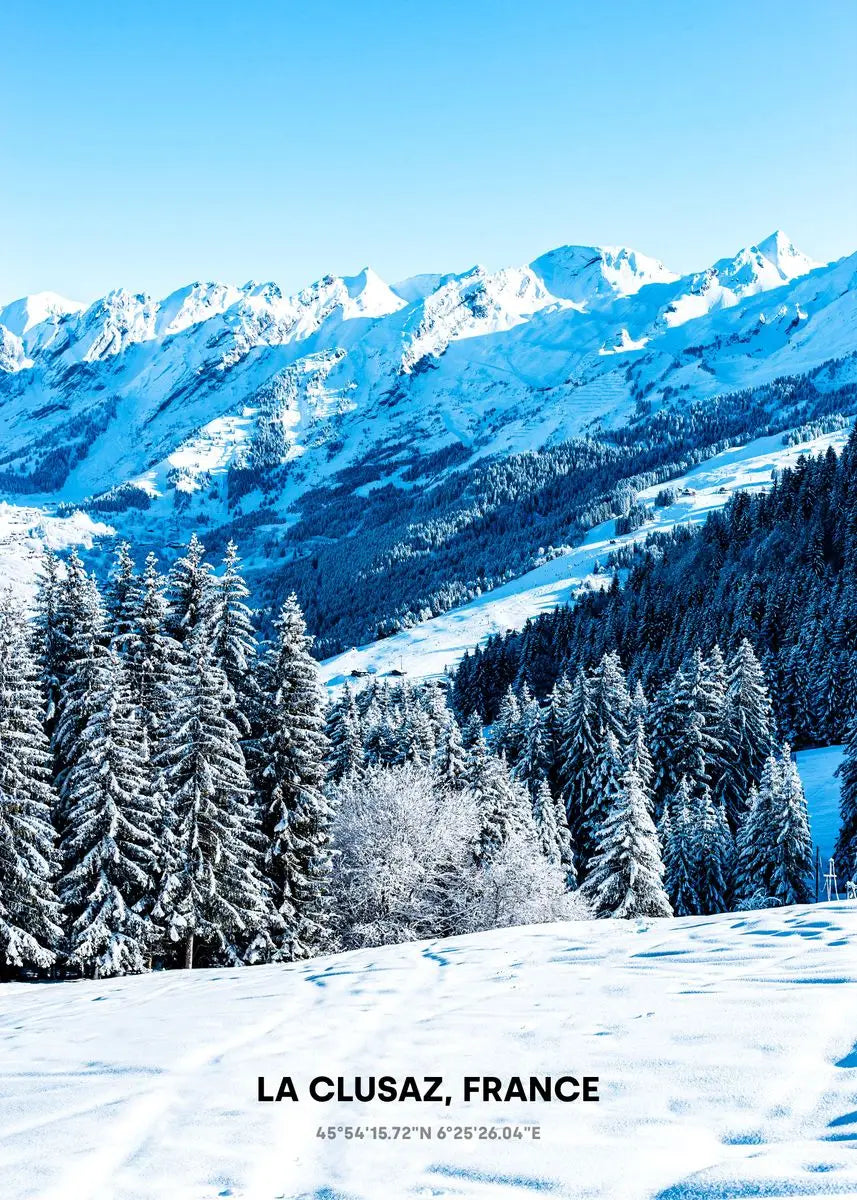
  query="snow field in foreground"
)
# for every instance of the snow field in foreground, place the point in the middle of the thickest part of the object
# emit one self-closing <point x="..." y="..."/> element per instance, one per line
<point x="725" y="1048"/>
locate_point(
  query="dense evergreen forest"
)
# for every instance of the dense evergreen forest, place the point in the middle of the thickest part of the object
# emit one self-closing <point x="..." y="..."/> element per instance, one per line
<point x="775" y="572"/>
<point x="175" y="791"/>
<point x="399" y="538"/>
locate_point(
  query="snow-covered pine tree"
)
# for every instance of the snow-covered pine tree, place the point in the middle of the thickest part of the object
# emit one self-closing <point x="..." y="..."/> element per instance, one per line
<point x="533" y="762"/>
<point x="379" y="732"/>
<point x="611" y="700"/>
<point x="82" y="628"/>
<point x="49" y="642"/>
<point x="30" y="916"/>
<point x="744" y="848"/>
<point x="638" y="756"/>
<point x="714" y="855"/>
<point x="450" y="761"/>
<point x="189" y="591"/>
<point x="610" y="769"/>
<point x="566" y="846"/>
<point x="625" y="876"/>
<point x="214" y="901"/>
<point x="544" y="816"/>
<point x="714" y="684"/>
<point x="555" y="710"/>
<point x="752" y="868"/>
<point x="679" y="841"/>
<point x="747" y="734"/>
<point x="503" y="805"/>
<point x="727" y="853"/>
<point x="506" y="730"/>
<point x="234" y="637"/>
<point x="846" y="842"/>
<point x="108" y="847"/>
<point x="833" y="695"/>
<point x="682" y="745"/>
<point x="123" y="598"/>
<point x="297" y="815"/>
<point x="415" y="734"/>
<point x="153" y="657"/>
<point x="554" y="836"/>
<point x="576" y="769"/>
<point x="472" y="734"/>
<point x="791" y="848"/>
<point x="704" y="696"/>
<point x="664" y="728"/>
<point x="475" y="752"/>
<point x="345" y="740"/>
<point x="432" y="698"/>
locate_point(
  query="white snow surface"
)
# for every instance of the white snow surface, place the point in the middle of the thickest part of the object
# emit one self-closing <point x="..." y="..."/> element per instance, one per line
<point x="26" y="531"/>
<point x="817" y="769"/>
<point x="724" y="1046"/>
<point x="429" y="649"/>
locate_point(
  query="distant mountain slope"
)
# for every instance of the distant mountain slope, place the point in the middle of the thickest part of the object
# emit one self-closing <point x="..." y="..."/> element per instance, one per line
<point x="224" y="407"/>
<point x="132" y="389"/>
<point x="435" y="646"/>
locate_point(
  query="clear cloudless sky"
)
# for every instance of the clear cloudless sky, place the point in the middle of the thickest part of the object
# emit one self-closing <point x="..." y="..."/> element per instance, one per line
<point x="148" y="145"/>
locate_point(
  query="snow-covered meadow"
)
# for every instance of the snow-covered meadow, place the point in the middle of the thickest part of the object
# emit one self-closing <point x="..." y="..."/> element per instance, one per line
<point x="725" y="1048"/>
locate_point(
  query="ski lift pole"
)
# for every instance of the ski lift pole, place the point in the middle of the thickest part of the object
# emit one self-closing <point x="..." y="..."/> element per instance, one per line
<point x="830" y="882"/>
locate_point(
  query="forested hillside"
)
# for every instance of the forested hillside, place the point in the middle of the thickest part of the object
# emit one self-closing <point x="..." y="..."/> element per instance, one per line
<point x="776" y="572"/>
<point x="369" y="561"/>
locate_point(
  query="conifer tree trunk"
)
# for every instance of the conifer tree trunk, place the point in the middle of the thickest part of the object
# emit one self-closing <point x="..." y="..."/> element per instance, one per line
<point x="188" y="953"/>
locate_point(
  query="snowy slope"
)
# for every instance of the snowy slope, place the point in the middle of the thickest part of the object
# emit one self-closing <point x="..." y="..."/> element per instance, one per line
<point x="724" y="1046"/>
<point x="818" y="774"/>
<point x="26" y="531"/>
<point x="430" y="648"/>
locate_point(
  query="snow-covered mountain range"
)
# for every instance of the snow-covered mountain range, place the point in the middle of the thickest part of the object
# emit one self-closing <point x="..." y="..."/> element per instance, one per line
<point x="164" y="399"/>
<point x="496" y="359"/>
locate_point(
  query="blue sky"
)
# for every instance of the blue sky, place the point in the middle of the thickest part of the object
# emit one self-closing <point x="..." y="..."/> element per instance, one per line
<point x="150" y="145"/>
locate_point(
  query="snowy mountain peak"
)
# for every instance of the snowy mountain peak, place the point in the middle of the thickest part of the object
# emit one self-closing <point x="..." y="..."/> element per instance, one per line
<point x="113" y="323"/>
<point x="192" y="304"/>
<point x="583" y="274"/>
<point x="782" y="252"/>
<point x="769" y="264"/>
<point x="25" y="314"/>
<point x="370" y="295"/>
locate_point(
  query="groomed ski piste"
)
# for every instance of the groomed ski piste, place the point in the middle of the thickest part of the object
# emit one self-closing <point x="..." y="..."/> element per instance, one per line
<point x="725" y="1049"/>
